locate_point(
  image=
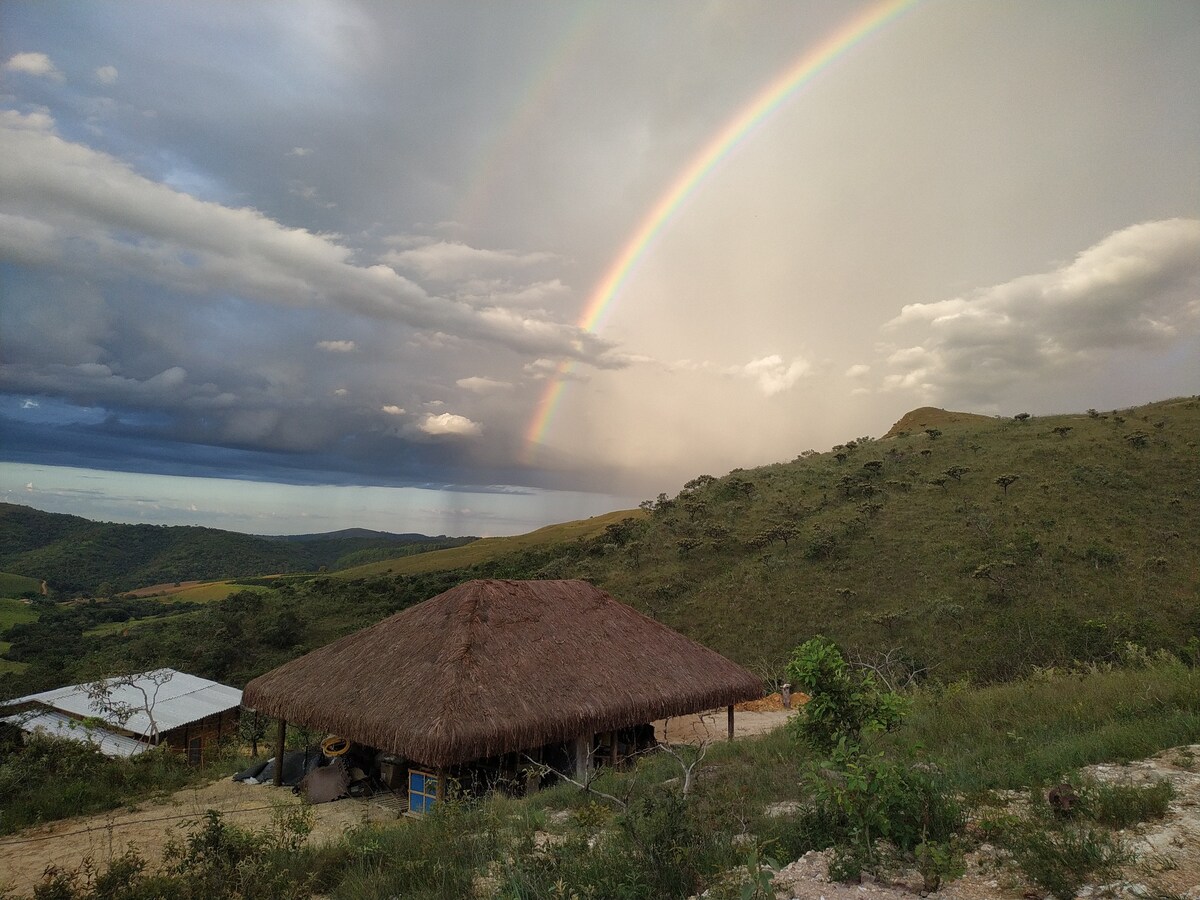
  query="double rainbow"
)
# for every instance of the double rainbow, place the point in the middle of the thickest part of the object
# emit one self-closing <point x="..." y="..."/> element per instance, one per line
<point x="764" y="105"/>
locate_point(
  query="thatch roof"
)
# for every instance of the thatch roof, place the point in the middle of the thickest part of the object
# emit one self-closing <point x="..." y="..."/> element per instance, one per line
<point x="491" y="667"/>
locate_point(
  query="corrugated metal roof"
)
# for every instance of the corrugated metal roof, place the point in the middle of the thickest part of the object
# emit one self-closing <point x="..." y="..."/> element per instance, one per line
<point x="180" y="700"/>
<point x="56" y="724"/>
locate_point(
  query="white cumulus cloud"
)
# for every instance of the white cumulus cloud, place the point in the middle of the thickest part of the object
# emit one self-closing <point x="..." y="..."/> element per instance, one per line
<point x="337" y="346"/>
<point x="772" y="374"/>
<point x="38" y="64"/>
<point x="393" y="410"/>
<point x="106" y="74"/>
<point x="1137" y="288"/>
<point x="449" y="423"/>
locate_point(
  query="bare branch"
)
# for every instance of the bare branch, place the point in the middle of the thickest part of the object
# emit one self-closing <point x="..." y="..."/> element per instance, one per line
<point x="585" y="786"/>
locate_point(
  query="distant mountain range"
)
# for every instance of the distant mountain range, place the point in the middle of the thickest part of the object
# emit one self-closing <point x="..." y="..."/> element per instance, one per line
<point x="77" y="556"/>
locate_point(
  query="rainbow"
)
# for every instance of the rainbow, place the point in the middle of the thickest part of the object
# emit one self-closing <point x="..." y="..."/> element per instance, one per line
<point x="764" y="105"/>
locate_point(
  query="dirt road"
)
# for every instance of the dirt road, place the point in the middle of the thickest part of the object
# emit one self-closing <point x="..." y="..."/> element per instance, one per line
<point x="25" y="855"/>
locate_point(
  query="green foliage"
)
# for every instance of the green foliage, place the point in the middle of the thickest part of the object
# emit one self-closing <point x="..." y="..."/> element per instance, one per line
<point x="215" y="859"/>
<point x="845" y="705"/>
<point x="1039" y="729"/>
<point x="939" y="861"/>
<point x="1060" y="860"/>
<point x="52" y="778"/>
<point x="80" y="557"/>
<point x="859" y="795"/>
<point x="1118" y="806"/>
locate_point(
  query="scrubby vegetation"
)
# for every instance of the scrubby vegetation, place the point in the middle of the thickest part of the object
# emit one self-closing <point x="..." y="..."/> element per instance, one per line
<point x="1006" y="601"/>
<point x="654" y="842"/>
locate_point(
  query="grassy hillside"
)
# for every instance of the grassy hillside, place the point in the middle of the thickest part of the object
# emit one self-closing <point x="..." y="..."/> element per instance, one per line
<point x="909" y="544"/>
<point x="13" y="612"/>
<point x="76" y="556"/>
<point x="18" y="585"/>
<point x="489" y="549"/>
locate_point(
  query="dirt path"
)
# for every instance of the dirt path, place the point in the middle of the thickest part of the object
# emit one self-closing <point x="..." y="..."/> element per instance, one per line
<point x="713" y="726"/>
<point x="25" y="855"/>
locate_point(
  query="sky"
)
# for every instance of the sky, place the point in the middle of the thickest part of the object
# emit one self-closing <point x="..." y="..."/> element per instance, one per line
<point x="475" y="268"/>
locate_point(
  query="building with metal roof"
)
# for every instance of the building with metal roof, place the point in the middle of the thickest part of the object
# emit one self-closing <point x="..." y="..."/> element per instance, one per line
<point x="123" y="716"/>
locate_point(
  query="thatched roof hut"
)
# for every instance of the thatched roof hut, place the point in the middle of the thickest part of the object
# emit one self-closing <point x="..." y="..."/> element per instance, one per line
<point x="491" y="667"/>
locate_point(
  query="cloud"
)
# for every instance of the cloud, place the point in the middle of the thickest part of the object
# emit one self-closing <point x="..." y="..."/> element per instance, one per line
<point x="38" y="64"/>
<point x="337" y="346"/>
<point x="480" y="385"/>
<point x="1137" y="288"/>
<point x="451" y="260"/>
<point x="858" y="371"/>
<point x="394" y="410"/>
<point x="449" y="423"/>
<point x="29" y="404"/>
<point x="106" y="74"/>
<point x="502" y="292"/>
<point x="118" y="222"/>
<point x="300" y="151"/>
<point x="771" y="373"/>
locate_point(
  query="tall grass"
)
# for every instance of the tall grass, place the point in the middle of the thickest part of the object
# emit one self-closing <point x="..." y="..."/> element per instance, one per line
<point x="1037" y="730"/>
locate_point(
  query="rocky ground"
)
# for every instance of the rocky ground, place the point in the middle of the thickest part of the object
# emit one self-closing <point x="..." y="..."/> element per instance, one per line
<point x="1166" y="866"/>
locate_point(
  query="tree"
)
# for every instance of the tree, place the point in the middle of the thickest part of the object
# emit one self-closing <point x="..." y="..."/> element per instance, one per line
<point x="957" y="472"/>
<point x="845" y="705"/>
<point x="1063" y="430"/>
<point x="1021" y="417"/>
<point x="1005" y="480"/>
<point x="118" y="699"/>
<point x="253" y="728"/>
<point x="934" y="433"/>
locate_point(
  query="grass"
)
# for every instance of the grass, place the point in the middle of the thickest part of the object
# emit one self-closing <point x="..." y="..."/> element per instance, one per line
<point x="54" y="778"/>
<point x="110" y="628"/>
<point x="1038" y="730"/>
<point x="1090" y="548"/>
<point x="13" y="612"/>
<point x="489" y="549"/>
<point x="657" y="845"/>
<point x="15" y="585"/>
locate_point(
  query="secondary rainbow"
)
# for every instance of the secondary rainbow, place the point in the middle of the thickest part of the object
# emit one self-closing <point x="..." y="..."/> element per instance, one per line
<point x="733" y="134"/>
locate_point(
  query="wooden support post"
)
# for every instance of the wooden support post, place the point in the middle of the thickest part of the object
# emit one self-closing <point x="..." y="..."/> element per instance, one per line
<point x="441" y="785"/>
<point x="731" y="722"/>
<point x="279" y="738"/>
<point x="583" y="746"/>
<point x="612" y="748"/>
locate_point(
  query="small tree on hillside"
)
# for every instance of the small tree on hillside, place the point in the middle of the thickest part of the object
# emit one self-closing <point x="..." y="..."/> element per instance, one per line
<point x="1005" y="481"/>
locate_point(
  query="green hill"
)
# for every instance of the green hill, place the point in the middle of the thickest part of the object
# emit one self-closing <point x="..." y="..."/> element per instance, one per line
<point x="77" y="556"/>
<point x="487" y="550"/>
<point x="913" y="544"/>
<point x="918" y="552"/>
